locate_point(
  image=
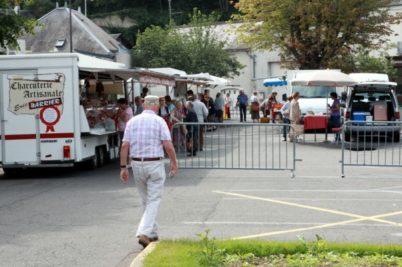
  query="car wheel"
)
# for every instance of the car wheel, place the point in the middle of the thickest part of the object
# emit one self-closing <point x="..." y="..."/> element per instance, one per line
<point x="11" y="172"/>
<point x="93" y="163"/>
<point x="347" y="137"/>
<point x="101" y="156"/>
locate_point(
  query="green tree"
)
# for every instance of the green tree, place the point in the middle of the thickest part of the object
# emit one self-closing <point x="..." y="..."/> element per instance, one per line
<point x="315" y="34"/>
<point x="364" y="62"/>
<point x="12" y="26"/>
<point x="38" y="8"/>
<point x="194" y="49"/>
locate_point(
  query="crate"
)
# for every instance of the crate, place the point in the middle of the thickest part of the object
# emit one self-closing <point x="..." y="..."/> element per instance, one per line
<point x="264" y="120"/>
<point x="359" y="116"/>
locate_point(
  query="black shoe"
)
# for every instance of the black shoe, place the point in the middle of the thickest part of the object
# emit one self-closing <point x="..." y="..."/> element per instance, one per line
<point x="144" y="240"/>
<point x="201" y="149"/>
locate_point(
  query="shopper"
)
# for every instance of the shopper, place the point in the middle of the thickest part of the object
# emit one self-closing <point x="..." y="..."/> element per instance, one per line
<point x="285" y="111"/>
<point x="295" y="118"/>
<point x="146" y="136"/>
<point x="335" y="115"/>
<point x="242" y="102"/>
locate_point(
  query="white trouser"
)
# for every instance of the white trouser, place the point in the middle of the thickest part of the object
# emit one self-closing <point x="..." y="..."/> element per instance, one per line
<point x="149" y="178"/>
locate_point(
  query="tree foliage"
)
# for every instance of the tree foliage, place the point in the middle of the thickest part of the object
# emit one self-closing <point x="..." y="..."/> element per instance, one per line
<point x="12" y="26"/>
<point x="194" y="49"/>
<point x="315" y="33"/>
<point x="364" y="62"/>
<point x="144" y="12"/>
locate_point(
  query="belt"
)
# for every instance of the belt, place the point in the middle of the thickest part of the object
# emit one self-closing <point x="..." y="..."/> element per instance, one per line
<point x="146" y="159"/>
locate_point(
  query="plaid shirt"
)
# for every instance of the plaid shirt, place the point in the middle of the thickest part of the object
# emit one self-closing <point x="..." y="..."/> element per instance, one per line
<point x="145" y="133"/>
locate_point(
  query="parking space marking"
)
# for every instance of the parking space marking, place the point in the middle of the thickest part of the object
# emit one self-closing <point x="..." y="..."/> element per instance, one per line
<point x="287" y="203"/>
<point x="319" y="226"/>
<point x="316" y="190"/>
<point x="325" y="199"/>
<point x="388" y="187"/>
<point x="288" y="231"/>
<point x="357" y="217"/>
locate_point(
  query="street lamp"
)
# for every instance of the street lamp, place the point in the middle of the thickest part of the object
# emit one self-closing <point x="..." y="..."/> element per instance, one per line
<point x="85" y="7"/>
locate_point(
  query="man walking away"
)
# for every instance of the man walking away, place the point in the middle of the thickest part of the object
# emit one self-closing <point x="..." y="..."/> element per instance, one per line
<point x="145" y="137"/>
<point x="242" y="101"/>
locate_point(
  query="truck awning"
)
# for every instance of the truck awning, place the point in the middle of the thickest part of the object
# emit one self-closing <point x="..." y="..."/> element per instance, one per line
<point x="104" y="69"/>
<point x="108" y="70"/>
<point x="146" y="76"/>
<point x="274" y="82"/>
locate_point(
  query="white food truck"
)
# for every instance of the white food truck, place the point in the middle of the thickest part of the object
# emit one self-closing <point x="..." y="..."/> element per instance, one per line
<point x="45" y="106"/>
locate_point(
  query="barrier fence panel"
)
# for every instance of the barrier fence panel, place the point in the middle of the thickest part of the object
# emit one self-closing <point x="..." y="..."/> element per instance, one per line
<point x="371" y="143"/>
<point x="256" y="146"/>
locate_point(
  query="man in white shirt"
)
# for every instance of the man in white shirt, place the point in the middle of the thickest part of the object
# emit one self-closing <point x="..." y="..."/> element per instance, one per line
<point x="202" y="113"/>
<point x="145" y="137"/>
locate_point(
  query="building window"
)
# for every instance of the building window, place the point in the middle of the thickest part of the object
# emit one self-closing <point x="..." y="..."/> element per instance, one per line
<point x="60" y="43"/>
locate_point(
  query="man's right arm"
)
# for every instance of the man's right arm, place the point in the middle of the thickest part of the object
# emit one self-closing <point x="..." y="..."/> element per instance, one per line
<point x="123" y="162"/>
<point x="167" y="144"/>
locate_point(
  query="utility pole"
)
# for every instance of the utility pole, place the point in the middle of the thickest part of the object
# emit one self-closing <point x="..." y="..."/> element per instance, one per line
<point x="170" y="12"/>
<point x="71" y="28"/>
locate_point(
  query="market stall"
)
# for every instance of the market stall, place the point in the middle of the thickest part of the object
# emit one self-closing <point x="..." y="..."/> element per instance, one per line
<point x="328" y="79"/>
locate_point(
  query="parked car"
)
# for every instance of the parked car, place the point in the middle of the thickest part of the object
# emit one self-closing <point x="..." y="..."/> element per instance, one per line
<point x="371" y="106"/>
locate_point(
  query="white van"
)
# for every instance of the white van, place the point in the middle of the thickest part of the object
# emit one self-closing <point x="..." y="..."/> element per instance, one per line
<point x="313" y="99"/>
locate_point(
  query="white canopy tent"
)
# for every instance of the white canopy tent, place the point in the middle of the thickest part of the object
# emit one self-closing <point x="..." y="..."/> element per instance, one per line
<point x="210" y="79"/>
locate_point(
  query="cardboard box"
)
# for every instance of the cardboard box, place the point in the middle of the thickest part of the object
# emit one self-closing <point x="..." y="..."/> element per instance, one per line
<point x="380" y="111"/>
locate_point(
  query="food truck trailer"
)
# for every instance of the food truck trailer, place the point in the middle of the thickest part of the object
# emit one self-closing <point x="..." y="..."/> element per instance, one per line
<point x="57" y="110"/>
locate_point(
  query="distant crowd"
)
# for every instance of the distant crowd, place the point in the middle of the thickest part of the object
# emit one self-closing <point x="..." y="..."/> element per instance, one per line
<point x="202" y="108"/>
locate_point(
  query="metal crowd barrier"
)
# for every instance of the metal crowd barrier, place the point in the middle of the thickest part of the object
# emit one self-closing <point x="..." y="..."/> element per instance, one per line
<point x="251" y="146"/>
<point x="371" y="143"/>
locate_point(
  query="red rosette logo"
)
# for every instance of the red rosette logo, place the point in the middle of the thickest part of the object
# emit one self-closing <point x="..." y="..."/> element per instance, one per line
<point x="49" y="116"/>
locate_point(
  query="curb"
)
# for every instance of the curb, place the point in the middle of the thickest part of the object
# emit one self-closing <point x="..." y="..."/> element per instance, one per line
<point x="138" y="261"/>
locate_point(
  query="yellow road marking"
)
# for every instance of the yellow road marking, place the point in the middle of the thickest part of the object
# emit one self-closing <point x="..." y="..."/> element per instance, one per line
<point x="297" y="229"/>
<point x="309" y="207"/>
<point x="327" y="225"/>
<point x="358" y="217"/>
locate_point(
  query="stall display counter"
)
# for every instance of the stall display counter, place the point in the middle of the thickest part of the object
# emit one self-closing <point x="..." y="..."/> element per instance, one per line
<point x="315" y="122"/>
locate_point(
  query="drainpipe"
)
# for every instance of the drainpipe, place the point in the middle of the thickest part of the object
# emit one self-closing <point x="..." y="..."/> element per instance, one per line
<point x="253" y="57"/>
<point x="17" y="7"/>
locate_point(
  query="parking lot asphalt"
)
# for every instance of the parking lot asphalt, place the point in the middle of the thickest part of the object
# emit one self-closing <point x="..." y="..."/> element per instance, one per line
<point x="89" y="218"/>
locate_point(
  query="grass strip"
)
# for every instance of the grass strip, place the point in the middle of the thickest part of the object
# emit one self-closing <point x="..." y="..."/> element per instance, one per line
<point x="185" y="253"/>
